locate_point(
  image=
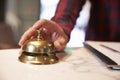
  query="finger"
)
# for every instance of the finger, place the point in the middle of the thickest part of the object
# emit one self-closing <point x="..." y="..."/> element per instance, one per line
<point x="63" y="41"/>
<point x="51" y="26"/>
<point x="60" y="44"/>
<point x="40" y="23"/>
<point x="57" y="45"/>
<point x="55" y="35"/>
<point x="27" y="35"/>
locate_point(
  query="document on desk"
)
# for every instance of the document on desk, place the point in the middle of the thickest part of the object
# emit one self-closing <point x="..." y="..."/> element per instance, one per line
<point x="108" y="52"/>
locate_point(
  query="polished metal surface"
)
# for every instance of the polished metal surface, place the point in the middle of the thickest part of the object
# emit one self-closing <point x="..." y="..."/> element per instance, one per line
<point x="38" y="51"/>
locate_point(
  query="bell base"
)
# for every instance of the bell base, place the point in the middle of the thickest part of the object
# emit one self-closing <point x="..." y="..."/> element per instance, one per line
<point x="38" y="59"/>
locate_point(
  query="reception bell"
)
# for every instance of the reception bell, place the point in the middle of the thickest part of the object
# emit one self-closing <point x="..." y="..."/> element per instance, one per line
<point x="38" y="51"/>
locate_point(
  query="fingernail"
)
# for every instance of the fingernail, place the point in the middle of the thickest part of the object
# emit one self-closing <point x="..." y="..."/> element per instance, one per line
<point x="19" y="43"/>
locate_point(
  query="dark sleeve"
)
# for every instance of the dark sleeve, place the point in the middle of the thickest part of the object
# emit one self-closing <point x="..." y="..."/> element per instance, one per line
<point x="67" y="12"/>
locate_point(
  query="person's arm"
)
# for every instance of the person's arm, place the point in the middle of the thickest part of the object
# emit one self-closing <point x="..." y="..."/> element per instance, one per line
<point x="60" y="26"/>
<point x="66" y="14"/>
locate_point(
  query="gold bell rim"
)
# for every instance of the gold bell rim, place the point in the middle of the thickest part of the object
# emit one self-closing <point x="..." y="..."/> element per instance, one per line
<point x="37" y="59"/>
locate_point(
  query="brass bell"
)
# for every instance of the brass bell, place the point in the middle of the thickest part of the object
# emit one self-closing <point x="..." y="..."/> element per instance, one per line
<point x="38" y="51"/>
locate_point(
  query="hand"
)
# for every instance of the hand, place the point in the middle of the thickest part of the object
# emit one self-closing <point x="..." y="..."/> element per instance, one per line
<point x="52" y="29"/>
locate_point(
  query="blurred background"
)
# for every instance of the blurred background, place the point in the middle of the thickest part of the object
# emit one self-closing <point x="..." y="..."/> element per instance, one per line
<point x="16" y="16"/>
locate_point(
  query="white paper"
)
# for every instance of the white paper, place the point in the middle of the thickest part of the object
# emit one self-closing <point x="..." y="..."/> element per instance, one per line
<point x="115" y="56"/>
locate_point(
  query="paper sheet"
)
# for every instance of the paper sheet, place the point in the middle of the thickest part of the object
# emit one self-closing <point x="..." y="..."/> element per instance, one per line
<point x="114" y="55"/>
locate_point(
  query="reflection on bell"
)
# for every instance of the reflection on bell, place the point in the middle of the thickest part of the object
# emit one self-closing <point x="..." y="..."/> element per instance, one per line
<point x="38" y="51"/>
